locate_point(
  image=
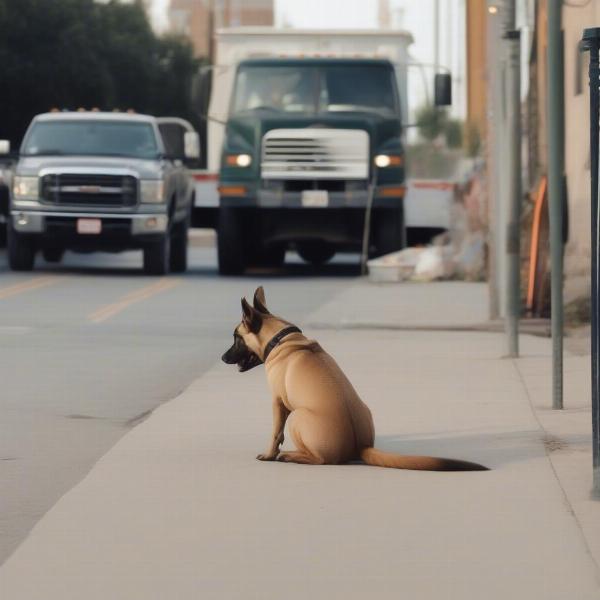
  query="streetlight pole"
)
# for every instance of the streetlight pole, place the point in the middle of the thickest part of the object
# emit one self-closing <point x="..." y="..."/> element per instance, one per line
<point x="556" y="186"/>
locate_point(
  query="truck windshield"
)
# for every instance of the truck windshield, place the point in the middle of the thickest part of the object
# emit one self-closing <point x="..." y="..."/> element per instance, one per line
<point x="91" y="138"/>
<point x="315" y="89"/>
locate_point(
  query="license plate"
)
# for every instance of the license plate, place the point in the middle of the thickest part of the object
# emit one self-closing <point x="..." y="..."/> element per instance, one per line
<point x="89" y="226"/>
<point x="315" y="198"/>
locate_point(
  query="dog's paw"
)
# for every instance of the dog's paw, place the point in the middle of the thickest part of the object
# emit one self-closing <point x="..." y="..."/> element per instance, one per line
<point x="266" y="457"/>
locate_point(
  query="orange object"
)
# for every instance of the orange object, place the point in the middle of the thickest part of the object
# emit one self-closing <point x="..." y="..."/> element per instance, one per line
<point x="535" y="237"/>
<point x="391" y="191"/>
<point x="232" y="190"/>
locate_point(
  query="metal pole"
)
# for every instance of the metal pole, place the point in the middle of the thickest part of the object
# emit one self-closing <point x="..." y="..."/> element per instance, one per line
<point x="556" y="137"/>
<point x="513" y="96"/>
<point x="591" y="42"/>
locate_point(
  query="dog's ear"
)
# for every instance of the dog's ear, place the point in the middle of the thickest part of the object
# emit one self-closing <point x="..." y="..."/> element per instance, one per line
<point x="250" y="317"/>
<point x="260" y="303"/>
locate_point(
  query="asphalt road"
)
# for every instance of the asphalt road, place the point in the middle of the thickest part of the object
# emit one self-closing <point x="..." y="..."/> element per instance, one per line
<point x="91" y="346"/>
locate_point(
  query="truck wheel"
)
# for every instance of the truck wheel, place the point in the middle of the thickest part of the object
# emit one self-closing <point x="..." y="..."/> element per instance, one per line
<point x="230" y="242"/>
<point x="388" y="231"/>
<point x="53" y="255"/>
<point x="21" y="252"/>
<point x="316" y="253"/>
<point x="157" y="256"/>
<point x="179" y="247"/>
<point x="3" y="227"/>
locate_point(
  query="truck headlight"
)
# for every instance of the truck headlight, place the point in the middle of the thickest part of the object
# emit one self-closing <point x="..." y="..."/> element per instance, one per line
<point x="388" y="160"/>
<point x="152" y="192"/>
<point x="238" y="160"/>
<point x="25" y="188"/>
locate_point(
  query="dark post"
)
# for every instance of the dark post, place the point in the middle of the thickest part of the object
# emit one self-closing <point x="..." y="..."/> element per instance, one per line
<point x="556" y="169"/>
<point x="591" y="42"/>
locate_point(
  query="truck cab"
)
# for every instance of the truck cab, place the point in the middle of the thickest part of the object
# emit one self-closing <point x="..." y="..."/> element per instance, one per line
<point x="308" y="143"/>
<point x="90" y="180"/>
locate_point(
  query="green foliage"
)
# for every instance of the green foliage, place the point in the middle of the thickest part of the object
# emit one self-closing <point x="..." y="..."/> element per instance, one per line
<point x="431" y="121"/>
<point x="453" y="131"/>
<point x="434" y="124"/>
<point x="72" y="53"/>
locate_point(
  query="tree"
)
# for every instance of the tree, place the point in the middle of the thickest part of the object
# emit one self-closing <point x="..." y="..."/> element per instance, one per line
<point x="78" y="53"/>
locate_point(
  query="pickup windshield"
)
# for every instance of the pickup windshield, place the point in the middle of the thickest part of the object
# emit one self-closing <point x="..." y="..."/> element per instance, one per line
<point x="315" y="89"/>
<point x="91" y="138"/>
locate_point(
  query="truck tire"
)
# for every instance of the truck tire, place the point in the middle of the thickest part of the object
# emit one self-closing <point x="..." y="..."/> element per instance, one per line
<point x="179" y="247"/>
<point x="316" y="253"/>
<point x="388" y="231"/>
<point x="230" y="242"/>
<point x="21" y="252"/>
<point x="53" y="255"/>
<point x="157" y="256"/>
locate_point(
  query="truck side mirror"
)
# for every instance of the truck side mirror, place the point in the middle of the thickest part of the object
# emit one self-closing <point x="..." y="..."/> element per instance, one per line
<point x="4" y="147"/>
<point x="191" y="145"/>
<point x="442" y="85"/>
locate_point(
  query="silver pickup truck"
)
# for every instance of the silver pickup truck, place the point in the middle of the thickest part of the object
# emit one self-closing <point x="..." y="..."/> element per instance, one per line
<point x="91" y="181"/>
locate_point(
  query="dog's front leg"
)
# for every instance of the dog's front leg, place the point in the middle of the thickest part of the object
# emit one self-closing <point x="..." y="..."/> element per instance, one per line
<point x="280" y="415"/>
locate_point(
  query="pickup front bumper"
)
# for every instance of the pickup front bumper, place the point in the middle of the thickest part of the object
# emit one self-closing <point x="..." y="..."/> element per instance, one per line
<point x="118" y="231"/>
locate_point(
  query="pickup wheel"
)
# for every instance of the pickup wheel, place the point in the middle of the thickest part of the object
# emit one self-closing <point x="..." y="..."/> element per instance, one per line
<point x="157" y="256"/>
<point x="179" y="247"/>
<point x="388" y="230"/>
<point x="20" y="250"/>
<point x="230" y="242"/>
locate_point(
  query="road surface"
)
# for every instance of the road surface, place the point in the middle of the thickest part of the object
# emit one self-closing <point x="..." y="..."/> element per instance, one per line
<point x="90" y="347"/>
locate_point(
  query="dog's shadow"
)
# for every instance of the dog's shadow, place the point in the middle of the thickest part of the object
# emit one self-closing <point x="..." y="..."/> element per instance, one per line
<point x="491" y="449"/>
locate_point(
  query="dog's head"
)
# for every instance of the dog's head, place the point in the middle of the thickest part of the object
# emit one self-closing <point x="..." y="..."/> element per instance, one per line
<point x="246" y="349"/>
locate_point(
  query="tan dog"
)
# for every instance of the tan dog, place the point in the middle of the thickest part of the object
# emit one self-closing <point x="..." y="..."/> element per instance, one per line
<point x="328" y="422"/>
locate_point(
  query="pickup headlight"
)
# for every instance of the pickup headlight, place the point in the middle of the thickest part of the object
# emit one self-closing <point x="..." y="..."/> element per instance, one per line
<point x="152" y="192"/>
<point x="388" y="160"/>
<point x="25" y="188"/>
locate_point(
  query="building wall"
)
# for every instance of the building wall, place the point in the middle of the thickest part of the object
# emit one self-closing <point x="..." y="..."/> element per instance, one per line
<point x="476" y="65"/>
<point x="193" y="18"/>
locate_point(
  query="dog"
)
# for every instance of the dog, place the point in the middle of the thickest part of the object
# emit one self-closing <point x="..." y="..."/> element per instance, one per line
<point x="327" y="421"/>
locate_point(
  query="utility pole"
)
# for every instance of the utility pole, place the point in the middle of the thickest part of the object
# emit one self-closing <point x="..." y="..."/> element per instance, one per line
<point x="556" y="188"/>
<point x="591" y="42"/>
<point x="513" y="106"/>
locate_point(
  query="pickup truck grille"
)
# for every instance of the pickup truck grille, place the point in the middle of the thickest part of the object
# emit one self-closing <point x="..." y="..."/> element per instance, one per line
<point x="315" y="153"/>
<point x="73" y="189"/>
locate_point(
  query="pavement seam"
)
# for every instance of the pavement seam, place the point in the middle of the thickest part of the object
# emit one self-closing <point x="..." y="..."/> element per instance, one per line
<point x="558" y="481"/>
<point x="374" y="326"/>
<point x="110" y="310"/>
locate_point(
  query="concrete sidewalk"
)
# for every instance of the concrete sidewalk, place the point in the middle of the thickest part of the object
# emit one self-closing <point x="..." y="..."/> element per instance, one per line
<point x="180" y="508"/>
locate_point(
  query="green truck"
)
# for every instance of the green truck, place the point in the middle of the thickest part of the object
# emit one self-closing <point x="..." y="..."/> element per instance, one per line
<point x="308" y="146"/>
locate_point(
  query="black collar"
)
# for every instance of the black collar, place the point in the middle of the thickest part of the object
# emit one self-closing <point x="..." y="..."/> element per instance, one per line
<point x="276" y="340"/>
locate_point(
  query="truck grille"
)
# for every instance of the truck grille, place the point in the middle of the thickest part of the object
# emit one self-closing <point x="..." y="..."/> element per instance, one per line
<point x="315" y="154"/>
<point x="89" y="190"/>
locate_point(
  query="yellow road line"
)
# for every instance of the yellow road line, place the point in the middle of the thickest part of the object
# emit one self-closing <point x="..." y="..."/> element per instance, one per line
<point x="28" y="285"/>
<point x="110" y="310"/>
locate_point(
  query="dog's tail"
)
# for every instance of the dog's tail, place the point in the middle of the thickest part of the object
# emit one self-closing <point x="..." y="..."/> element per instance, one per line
<point x="378" y="458"/>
